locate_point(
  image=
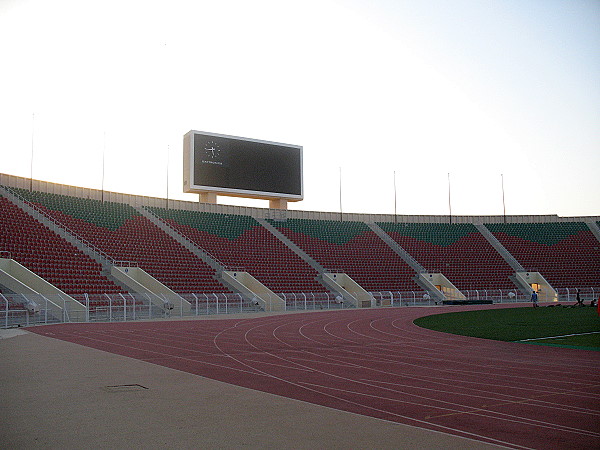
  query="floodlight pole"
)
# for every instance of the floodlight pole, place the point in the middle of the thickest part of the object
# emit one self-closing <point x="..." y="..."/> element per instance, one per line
<point x="341" y="210"/>
<point x="503" y="202"/>
<point x="31" y="165"/>
<point x="395" y="200"/>
<point x="103" y="157"/>
<point x="168" y="149"/>
<point x="449" y="199"/>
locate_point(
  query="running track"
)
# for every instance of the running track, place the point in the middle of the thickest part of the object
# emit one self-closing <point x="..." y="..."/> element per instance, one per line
<point x="377" y="363"/>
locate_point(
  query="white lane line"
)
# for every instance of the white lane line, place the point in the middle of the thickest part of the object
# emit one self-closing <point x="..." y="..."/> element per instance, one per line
<point x="558" y="337"/>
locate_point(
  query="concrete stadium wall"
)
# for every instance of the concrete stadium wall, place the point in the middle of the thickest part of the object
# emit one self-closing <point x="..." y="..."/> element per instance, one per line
<point x="266" y="213"/>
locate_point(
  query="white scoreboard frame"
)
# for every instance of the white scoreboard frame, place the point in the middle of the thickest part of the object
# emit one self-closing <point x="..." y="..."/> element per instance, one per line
<point x="189" y="164"/>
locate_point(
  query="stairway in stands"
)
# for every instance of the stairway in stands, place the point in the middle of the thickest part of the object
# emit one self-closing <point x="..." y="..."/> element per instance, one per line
<point x="350" y="247"/>
<point x="458" y="251"/>
<point x="567" y="254"/>
<point x="242" y="243"/>
<point x="125" y="235"/>
<point x="48" y="255"/>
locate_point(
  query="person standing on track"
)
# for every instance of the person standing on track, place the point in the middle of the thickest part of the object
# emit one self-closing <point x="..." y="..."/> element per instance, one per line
<point x="534" y="298"/>
<point x="579" y="301"/>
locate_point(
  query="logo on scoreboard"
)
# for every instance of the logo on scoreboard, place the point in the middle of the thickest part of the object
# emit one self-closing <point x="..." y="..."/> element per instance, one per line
<point x="211" y="151"/>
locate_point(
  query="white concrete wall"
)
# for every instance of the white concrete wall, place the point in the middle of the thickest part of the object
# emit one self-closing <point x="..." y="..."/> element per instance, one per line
<point x="251" y="287"/>
<point x="447" y="288"/>
<point x="349" y="289"/>
<point x="141" y="282"/>
<point x="546" y="293"/>
<point x="137" y="200"/>
<point x="21" y="280"/>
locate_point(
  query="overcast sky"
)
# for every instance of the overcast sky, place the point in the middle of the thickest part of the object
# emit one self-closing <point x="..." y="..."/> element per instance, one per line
<point x="422" y="88"/>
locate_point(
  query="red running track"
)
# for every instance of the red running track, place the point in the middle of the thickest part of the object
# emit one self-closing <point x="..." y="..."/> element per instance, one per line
<point x="376" y="362"/>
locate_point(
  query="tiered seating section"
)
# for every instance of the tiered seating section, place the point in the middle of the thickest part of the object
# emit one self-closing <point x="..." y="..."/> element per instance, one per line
<point x="350" y="247"/>
<point x="458" y="251"/>
<point x="48" y="255"/>
<point x="567" y="254"/>
<point x="125" y="235"/>
<point x="241" y="243"/>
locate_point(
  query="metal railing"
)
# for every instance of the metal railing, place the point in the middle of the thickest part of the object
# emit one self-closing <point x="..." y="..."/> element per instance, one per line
<point x="125" y="263"/>
<point x="30" y="309"/>
<point x="569" y="295"/>
<point x="422" y="298"/>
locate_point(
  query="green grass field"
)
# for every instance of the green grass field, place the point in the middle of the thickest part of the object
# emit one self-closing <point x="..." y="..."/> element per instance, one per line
<point x="559" y="326"/>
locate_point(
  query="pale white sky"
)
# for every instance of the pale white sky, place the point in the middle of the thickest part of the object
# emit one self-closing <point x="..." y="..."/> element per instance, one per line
<point x="424" y="88"/>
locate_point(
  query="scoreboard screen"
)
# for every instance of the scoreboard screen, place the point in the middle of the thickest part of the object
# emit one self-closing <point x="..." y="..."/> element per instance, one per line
<point x="243" y="167"/>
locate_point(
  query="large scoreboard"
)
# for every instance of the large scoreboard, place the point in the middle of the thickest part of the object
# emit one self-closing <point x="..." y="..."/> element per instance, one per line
<point x="241" y="167"/>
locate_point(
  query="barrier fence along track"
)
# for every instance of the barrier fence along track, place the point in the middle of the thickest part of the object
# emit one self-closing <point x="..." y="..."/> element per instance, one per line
<point x="27" y="309"/>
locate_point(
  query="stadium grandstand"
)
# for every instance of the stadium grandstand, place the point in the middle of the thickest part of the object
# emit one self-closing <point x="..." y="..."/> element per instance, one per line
<point x="78" y="254"/>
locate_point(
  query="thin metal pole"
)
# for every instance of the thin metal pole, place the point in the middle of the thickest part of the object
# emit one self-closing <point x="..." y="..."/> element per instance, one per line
<point x="395" y="200"/>
<point x="341" y="210"/>
<point x="449" y="198"/>
<point x="168" y="148"/>
<point x="103" y="153"/>
<point x="31" y="166"/>
<point x="503" y="202"/>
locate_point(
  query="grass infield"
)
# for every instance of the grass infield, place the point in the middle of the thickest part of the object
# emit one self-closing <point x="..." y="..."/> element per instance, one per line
<point x="559" y="326"/>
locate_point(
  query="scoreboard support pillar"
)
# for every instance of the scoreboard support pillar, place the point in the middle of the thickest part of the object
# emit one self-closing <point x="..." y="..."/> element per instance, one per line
<point x="208" y="197"/>
<point x="278" y="203"/>
<point x="211" y="199"/>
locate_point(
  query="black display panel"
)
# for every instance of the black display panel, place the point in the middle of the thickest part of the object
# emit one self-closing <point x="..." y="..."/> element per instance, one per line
<point x="233" y="165"/>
